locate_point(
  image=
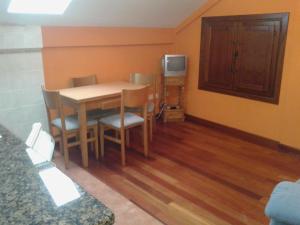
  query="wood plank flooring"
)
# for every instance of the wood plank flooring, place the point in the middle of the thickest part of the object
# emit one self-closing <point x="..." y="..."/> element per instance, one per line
<point x="196" y="175"/>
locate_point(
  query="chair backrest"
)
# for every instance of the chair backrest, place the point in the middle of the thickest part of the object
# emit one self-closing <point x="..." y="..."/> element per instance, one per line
<point x="134" y="98"/>
<point x="138" y="78"/>
<point x="150" y="80"/>
<point x="51" y="99"/>
<point x="84" y="81"/>
<point x="53" y="103"/>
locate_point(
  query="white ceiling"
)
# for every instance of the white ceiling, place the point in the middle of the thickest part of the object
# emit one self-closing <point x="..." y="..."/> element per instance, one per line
<point x="117" y="13"/>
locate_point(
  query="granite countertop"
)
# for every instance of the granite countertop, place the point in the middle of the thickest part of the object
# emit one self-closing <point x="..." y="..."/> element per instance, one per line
<point x="24" y="199"/>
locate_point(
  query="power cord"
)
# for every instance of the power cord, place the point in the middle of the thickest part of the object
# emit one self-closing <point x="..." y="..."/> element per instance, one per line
<point x="158" y="116"/>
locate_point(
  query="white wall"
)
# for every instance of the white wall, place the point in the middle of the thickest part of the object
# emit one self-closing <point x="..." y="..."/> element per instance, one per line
<point x="21" y="77"/>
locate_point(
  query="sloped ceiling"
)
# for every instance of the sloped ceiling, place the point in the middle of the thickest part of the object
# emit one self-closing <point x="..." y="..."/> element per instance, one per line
<point x="110" y="13"/>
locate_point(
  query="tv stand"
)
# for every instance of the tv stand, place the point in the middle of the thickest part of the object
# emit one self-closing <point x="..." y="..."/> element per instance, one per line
<point x="173" y="112"/>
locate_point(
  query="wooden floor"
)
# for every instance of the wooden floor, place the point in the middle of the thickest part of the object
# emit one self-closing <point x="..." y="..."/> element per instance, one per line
<point x="197" y="175"/>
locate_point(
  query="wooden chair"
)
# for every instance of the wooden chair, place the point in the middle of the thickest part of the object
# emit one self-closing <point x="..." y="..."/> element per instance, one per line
<point x="93" y="113"/>
<point x="138" y="78"/>
<point x="125" y="120"/>
<point x="68" y="126"/>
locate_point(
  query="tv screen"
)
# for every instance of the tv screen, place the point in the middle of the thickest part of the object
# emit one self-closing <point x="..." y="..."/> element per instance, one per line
<point x="174" y="65"/>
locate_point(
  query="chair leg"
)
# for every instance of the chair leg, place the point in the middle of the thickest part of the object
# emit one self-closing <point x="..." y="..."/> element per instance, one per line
<point x="96" y="142"/>
<point x="123" y="147"/>
<point x="151" y="127"/>
<point x="154" y="122"/>
<point x="60" y="144"/>
<point x="127" y="138"/>
<point x="102" y="140"/>
<point x="65" y="148"/>
<point x="145" y="137"/>
<point x="58" y="139"/>
<point x="91" y="144"/>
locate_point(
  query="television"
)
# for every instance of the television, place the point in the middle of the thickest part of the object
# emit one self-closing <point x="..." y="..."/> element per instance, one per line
<point x="174" y="65"/>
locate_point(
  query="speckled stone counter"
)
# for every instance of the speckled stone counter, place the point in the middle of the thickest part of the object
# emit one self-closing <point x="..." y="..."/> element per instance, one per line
<point x="25" y="200"/>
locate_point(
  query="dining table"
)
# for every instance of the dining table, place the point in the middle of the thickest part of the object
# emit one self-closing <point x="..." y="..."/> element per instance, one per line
<point x="91" y="97"/>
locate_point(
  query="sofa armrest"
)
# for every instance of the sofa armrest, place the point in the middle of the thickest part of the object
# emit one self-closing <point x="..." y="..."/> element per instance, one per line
<point x="284" y="203"/>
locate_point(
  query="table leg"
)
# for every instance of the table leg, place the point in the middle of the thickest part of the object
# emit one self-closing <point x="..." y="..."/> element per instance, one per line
<point x="83" y="134"/>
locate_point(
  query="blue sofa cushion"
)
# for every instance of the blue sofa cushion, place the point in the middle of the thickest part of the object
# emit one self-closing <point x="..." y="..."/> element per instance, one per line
<point x="284" y="204"/>
<point x="275" y="222"/>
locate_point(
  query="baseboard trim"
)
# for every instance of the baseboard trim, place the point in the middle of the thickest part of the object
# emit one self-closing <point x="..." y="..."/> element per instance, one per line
<point x="253" y="138"/>
<point x="288" y="149"/>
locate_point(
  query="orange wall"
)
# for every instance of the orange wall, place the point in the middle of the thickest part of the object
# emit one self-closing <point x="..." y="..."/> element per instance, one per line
<point x="279" y="122"/>
<point x="110" y="53"/>
<point x="113" y="53"/>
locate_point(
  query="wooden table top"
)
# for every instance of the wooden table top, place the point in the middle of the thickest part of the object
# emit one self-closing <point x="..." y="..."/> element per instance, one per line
<point x="98" y="91"/>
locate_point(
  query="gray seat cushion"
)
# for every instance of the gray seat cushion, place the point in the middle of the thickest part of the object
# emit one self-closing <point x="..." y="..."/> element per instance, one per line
<point x="150" y="108"/>
<point x="96" y="114"/>
<point x="72" y="122"/>
<point x="130" y="119"/>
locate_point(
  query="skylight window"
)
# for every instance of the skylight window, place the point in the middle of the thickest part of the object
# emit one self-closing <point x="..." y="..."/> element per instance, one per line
<point x="47" y="7"/>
